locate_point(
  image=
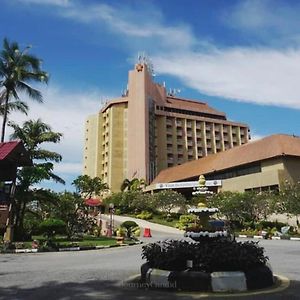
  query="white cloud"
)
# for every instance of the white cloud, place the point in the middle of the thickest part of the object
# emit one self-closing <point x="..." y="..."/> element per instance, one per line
<point x="65" y="112"/>
<point x="143" y="24"/>
<point x="262" y="76"/>
<point x="60" y="3"/>
<point x="258" y="75"/>
<point x="274" y="23"/>
<point x="69" y="168"/>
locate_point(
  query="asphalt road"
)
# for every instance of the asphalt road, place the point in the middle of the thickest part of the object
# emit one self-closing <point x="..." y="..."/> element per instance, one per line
<point x="102" y="274"/>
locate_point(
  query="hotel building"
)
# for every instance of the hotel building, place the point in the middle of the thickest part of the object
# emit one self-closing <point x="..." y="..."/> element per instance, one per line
<point x="148" y="130"/>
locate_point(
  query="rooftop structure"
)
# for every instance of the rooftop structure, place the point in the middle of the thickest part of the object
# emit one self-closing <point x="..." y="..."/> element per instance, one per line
<point x="262" y="164"/>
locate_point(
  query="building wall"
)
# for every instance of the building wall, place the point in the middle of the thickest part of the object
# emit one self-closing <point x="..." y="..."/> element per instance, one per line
<point x="292" y="169"/>
<point x="116" y="147"/>
<point x="272" y="172"/>
<point x="183" y="138"/>
<point x="92" y="165"/>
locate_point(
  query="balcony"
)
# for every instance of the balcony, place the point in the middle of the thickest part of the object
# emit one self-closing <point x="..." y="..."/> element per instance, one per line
<point x="180" y="151"/>
<point x="189" y="124"/>
<point x="169" y="122"/>
<point x="169" y="130"/>
<point x="191" y="152"/>
<point x="190" y="143"/>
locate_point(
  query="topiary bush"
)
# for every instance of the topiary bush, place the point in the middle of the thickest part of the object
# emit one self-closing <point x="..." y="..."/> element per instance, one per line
<point x="130" y="226"/>
<point x="210" y="256"/>
<point x="51" y="227"/>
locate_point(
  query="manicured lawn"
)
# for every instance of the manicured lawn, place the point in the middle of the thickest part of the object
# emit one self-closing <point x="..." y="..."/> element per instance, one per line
<point x="86" y="241"/>
<point x="159" y="219"/>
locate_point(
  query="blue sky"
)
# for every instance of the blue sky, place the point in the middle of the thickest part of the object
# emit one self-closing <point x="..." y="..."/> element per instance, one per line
<point x="242" y="57"/>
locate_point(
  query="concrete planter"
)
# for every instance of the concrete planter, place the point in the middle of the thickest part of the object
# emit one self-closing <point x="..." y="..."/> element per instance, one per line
<point x="192" y="280"/>
<point x="228" y="282"/>
<point x="188" y="280"/>
<point x="259" y="278"/>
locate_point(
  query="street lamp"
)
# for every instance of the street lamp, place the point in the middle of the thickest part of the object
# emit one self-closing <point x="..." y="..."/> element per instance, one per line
<point x="111" y="212"/>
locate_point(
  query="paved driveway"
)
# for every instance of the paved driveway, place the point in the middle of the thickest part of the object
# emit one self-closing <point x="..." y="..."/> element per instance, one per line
<point x="101" y="274"/>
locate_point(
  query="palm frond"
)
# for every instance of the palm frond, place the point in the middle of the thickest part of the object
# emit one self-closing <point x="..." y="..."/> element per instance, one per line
<point x="30" y="91"/>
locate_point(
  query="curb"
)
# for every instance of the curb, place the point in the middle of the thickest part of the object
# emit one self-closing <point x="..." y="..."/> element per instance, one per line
<point x="282" y="284"/>
<point x="84" y="248"/>
<point x="287" y="238"/>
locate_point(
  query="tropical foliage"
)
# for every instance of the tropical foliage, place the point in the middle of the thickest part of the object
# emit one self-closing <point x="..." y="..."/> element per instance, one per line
<point x="133" y="185"/>
<point x="212" y="256"/>
<point x="242" y="207"/>
<point x="289" y="199"/>
<point x="17" y="69"/>
<point x="168" y="200"/>
<point x="87" y="186"/>
<point x="34" y="134"/>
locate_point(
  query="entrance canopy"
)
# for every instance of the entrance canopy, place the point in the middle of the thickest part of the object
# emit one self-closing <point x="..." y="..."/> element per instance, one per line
<point x="93" y="202"/>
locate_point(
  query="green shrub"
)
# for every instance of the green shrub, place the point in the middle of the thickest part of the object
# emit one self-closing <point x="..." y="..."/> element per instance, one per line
<point x="186" y="221"/>
<point x="51" y="227"/>
<point x="145" y="215"/>
<point x="130" y="227"/>
<point x="129" y="224"/>
<point x="270" y="224"/>
<point x="211" y="256"/>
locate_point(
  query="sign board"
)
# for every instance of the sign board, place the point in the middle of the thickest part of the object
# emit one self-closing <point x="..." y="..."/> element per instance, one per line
<point x="186" y="184"/>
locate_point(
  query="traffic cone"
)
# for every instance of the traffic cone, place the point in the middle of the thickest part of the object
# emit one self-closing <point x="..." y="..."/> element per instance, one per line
<point x="147" y="232"/>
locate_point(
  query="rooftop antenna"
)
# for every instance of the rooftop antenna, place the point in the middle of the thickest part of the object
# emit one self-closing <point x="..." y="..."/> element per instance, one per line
<point x="143" y="58"/>
<point x="173" y="92"/>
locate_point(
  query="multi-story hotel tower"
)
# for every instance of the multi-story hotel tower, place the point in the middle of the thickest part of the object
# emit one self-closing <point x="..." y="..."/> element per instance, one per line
<point x="148" y="130"/>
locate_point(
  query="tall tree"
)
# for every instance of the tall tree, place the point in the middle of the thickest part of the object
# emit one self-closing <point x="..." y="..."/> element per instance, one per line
<point x="34" y="134"/>
<point x="16" y="105"/>
<point x="17" y="70"/>
<point x="87" y="186"/>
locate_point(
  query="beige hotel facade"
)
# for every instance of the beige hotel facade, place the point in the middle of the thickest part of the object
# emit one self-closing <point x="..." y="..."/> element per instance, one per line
<point x="148" y="130"/>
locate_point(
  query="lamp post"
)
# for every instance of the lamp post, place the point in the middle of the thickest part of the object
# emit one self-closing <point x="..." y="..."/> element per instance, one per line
<point x="111" y="212"/>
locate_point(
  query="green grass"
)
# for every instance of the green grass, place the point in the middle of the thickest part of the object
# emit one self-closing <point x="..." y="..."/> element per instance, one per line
<point x="87" y="241"/>
<point x="159" y="219"/>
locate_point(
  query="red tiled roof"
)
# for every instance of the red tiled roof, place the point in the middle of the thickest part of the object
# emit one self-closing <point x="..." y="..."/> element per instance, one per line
<point x="14" y="152"/>
<point x="266" y="148"/>
<point x="7" y="148"/>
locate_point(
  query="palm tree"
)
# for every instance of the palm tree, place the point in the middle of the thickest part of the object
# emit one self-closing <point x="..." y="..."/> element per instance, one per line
<point x="133" y="185"/>
<point x="17" y="69"/>
<point x="16" y="105"/>
<point x="33" y="134"/>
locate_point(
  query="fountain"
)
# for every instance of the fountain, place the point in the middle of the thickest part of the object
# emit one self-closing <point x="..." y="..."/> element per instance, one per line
<point x="203" y="228"/>
<point x="212" y="262"/>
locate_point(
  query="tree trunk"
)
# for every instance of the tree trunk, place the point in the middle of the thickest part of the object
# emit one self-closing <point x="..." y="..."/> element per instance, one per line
<point x="4" y="116"/>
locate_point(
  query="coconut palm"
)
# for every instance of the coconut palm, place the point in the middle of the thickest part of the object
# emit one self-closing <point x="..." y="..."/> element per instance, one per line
<point x="133" y="185"/>
<point x="34" y="134"/>
<point x="17" y="69"/>
<point x="16" y="105"/>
